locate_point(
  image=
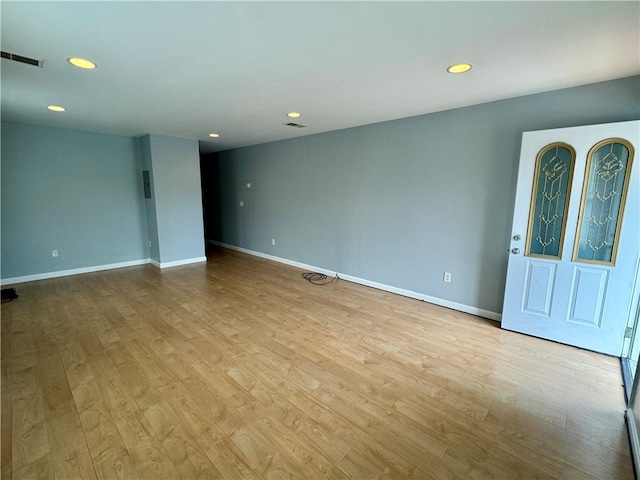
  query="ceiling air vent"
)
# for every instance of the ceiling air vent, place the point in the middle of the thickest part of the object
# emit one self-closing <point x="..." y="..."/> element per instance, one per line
<point x="21" y="59"/>
<point x="296" y="125"/>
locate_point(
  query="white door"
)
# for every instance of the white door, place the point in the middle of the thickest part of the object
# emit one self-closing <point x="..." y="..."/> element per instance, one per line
<point x="575" y="242"/>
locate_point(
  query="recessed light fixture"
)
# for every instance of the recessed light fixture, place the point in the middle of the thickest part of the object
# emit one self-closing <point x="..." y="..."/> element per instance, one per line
<point x="294" y="114"/>
<point x="214" y="135"/>
<point x="81" y="62"/>
<point x="459" y="68"/>
<point x="56" y="108"/>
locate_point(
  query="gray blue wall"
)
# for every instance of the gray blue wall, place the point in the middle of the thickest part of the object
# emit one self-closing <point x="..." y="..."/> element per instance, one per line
<point x="150" y="203"/>
<point x="82" y="194"/>
<point x="401" y="202"/>
<point x="176" y="211"/>
<point x="77" y="192"/>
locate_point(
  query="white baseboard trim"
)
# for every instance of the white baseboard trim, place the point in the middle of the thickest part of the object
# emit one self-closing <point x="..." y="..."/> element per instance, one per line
<point x="73" y="271"/>
<point x="380" y="286"/>
<point x="426" y="298"/>
<point x="176" y="263"/>
<point x="634" y="440"/>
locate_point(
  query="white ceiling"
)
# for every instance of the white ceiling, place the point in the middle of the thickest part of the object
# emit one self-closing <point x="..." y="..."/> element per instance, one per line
<point x="190" y="68"/>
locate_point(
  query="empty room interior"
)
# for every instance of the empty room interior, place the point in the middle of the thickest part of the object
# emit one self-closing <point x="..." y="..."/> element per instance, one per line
<point x="348" y="240"/>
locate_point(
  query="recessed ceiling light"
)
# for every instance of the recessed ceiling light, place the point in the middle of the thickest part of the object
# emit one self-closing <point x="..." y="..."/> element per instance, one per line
<point x="294" y="114"/>
<point x="81" y="62"/>
<point x="459" y="68"/>
<point x="214" y="135"/>
<point x="56" y="108"/>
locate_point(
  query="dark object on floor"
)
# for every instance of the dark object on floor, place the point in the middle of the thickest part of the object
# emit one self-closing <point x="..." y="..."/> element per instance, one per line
<point x="318" y="278"/>
<point x="8" y="294"/>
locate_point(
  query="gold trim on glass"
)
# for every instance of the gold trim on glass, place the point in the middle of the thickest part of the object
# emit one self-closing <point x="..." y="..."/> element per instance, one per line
<point x="623" y="201"/>
<point x="534" y="191"/>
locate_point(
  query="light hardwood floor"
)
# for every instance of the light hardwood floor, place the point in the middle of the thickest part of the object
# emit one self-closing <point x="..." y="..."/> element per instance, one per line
<point x="241" y="369"/>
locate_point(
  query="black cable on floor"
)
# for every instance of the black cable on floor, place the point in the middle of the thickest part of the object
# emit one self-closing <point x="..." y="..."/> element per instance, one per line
<point x="317" y="278"/>
<point x="8" y="294"/>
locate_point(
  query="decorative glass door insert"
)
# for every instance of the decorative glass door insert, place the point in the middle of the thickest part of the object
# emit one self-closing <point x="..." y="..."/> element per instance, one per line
<point x="549" y="200"/>
<point x="603" y="199"/>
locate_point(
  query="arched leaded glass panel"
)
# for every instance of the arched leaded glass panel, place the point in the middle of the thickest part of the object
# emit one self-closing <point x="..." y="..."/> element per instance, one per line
<point x="603" y="198"/>
<point x="549" y="200"/>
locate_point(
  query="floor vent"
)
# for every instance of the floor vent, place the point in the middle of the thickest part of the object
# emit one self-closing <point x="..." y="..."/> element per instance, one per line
<point x="296" y="125"/>
<point x="21" y="59"/>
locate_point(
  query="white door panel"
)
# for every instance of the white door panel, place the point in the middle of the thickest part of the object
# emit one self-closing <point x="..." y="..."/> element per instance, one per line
<point x="587" y="291"/>
<point x="582" y="303"/>
<point x="538" y="288"/>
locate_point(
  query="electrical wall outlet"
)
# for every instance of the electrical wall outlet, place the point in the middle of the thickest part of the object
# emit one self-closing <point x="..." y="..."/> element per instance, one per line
<point x="273" y="241"/>
<point x="447" y="277"/>
<point x="54" y="253"/>
<point x="247" y="185"/>
<point x="241" y="203"/>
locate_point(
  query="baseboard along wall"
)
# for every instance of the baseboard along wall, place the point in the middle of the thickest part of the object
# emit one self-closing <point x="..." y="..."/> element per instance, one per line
<point x="73" y="271"/>
<point x="362" y="281"/>
<point x="98" y="268"/>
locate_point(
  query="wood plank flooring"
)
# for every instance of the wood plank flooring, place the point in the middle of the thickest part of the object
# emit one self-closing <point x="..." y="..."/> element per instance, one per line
<point x="239" y="368"/>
